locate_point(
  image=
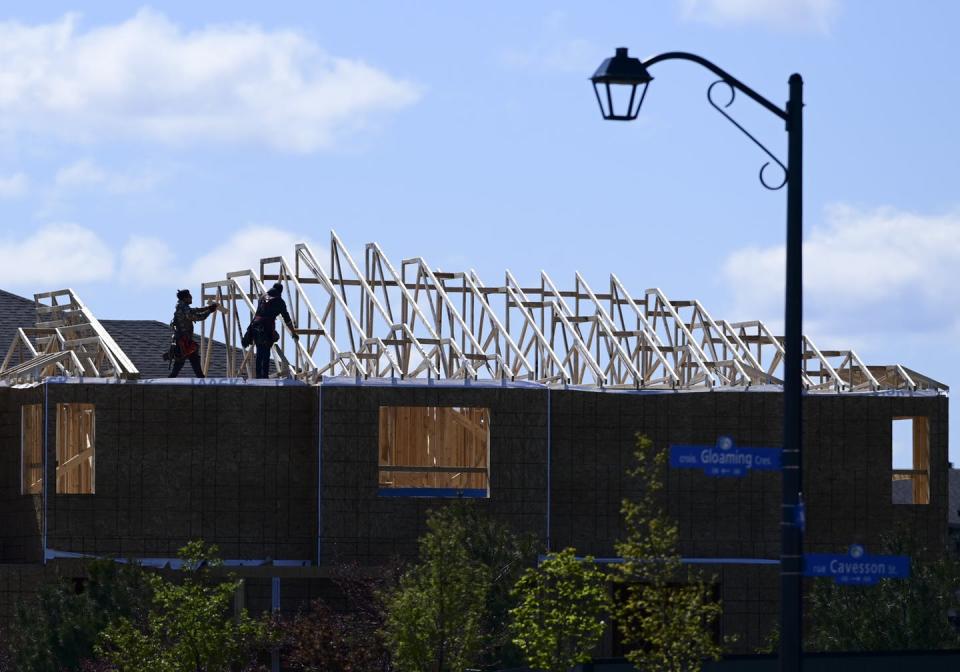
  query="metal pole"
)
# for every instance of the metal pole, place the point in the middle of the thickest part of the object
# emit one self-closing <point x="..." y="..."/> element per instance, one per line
<point x="791" y="539"/>
<point x="275" y="606"/>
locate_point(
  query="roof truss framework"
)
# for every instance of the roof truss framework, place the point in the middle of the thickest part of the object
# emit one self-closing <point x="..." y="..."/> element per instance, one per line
<point x="417" y="321"/>
<point x="66" y="340"/>
<point x="420" y="322"/>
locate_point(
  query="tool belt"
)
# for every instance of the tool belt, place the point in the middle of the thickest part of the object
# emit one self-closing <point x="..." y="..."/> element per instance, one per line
<point x="260" y="333"/>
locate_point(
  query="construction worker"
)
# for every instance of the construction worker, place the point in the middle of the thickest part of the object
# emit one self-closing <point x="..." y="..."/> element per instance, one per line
<point x="263" y="329"/>
<point x="184" y="347"/>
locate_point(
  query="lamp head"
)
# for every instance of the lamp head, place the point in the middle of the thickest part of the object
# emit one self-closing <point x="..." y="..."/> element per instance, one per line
<point x="616" y="82"/>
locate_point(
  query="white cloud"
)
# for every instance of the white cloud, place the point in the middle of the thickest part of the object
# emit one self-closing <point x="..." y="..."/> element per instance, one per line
<point x="816" y="15"/>
<point x="243" y="251"/>
<point x="150" y="261"/>
<point x="54" y="256"/>
<point x="867" y="274"/>
<point x="554" y="50"/>
<point x="12" y="186"/>
<point x="67" y="254"/>
<point x="147" y="261"/>
<point x="149" y="78"/>
<point x="85" y="173"/>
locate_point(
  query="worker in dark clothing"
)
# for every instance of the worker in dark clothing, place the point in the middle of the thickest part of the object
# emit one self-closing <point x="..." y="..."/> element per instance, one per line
<point x="263" y="329"/>
<point x="184" y="347"/>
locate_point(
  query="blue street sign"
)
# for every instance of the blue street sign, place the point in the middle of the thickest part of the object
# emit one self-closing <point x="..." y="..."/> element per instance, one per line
<point x="725" y="459"/>
<point x="856" y="567"/>
<point x="800" y="515"/>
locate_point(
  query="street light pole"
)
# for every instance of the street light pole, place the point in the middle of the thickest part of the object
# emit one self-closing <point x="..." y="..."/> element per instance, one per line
<point x="625" y="79"/>
<point x="791" y="535"/>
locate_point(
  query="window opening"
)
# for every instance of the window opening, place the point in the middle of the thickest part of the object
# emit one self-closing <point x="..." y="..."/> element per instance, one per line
<point x="911" y="460"/>
<point x="434" y="451"/>
<point x="31" y="449"/>
<point x="76" y="455"/>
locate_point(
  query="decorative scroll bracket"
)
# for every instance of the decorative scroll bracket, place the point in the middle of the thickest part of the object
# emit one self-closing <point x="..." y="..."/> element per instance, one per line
<point x="722" y="110"/>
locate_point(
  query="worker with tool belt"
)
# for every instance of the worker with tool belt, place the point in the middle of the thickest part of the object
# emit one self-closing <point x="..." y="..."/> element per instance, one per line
<point x="184" y="347"/>
<point x="263" y="329"/>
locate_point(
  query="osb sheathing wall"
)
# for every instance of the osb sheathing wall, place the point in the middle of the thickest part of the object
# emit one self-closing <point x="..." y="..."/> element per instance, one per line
<point x="233" y="465"/>
<point x="360" y="526"/>
<point x="20" y="515"/>
<point x="847" y="470"/>
<point x="238" y="466"/>
<point x="847" y="476"/>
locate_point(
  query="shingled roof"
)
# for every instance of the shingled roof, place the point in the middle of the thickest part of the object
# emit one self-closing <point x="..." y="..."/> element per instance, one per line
<point x="143" y="341"/>
<point x="15" y="312"/>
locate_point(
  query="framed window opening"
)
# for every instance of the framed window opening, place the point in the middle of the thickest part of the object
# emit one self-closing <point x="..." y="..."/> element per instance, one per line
<point x="434" y="451"/>
<point x="31" y="449"/>
<point x="910" y="457"/>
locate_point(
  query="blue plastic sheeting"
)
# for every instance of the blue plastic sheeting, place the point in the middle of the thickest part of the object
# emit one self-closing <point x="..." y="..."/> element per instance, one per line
<point x="348" y="381"/>
<point x="345" y="381"/>
<point x="196" y="382"/>
<point x="475" y="493"/>
<point x="360" y="381"/>
<point x="177" y="563"/>
<point x="688" y="561"/>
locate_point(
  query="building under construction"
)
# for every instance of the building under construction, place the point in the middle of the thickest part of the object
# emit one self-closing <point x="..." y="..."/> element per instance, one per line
<point x="410" y="387"/>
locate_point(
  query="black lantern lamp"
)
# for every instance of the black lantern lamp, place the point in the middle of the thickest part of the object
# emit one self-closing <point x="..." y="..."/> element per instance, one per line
<point x="616" y="82"/>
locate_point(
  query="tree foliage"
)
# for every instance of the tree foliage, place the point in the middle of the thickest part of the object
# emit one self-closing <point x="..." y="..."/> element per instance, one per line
<point x="451" y="609"/>
<point x="189" y="626"/>
<point x="894" y="614"/>
<point x="434" y="616"/>
<point x="667" y="613"/>
<point x="560" y="613"/>
<point x="506" y="555"/>
<point x="324" y="638"/>
<point x="60" y="629"/>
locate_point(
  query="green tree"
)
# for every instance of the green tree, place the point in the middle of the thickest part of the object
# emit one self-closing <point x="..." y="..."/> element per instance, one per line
<point x="668" y="610"/>
<point x="560" y="613"/>
<point x="435" y="616"/>
<point x="895" y="614"/>
<point x="59" y="630"/>
<point x="189" y="627"/>
<point x="506" y="555"/>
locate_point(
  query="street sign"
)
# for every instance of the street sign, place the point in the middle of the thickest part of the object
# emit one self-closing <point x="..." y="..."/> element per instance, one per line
<point x="856" y="567"/>
<point x="725" y="459"/>
<point x="800" y="515"/>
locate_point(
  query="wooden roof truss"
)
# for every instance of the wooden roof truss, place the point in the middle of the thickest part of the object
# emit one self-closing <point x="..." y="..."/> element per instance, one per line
<point x="422" y="322"/>
<point x="67" y="340"/>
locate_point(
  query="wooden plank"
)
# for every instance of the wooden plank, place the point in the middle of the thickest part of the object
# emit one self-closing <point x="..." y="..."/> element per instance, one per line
<point x="433" y="447"/>
<point x="431" y="470"/>
<point x="921" y="460"/>
<point x="75" y="449"/>
<point x="32" y="449"/>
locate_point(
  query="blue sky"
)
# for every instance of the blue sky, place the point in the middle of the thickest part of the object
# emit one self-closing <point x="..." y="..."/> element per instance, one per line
<point x="147" y="147"/>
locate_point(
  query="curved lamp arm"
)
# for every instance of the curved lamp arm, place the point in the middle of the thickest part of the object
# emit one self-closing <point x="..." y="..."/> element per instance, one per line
<point x="735" y="85"/>
<point x="719" y="72"/>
